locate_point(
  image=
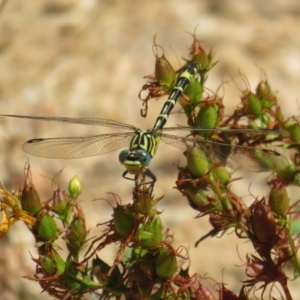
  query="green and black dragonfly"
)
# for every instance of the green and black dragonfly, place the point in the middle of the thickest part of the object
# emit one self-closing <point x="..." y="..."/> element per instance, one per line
<point x="143" y="144"/>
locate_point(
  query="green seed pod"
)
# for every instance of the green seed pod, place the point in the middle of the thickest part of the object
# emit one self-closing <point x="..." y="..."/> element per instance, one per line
<point x="144" y="203"/>
<point x="146" y="292"/>
<point x="262" y="222"/>
<point x="78" y="282"/>
<point x="197" y="196"/>
<point x="47" y="228"/>
<point x="222" y="174"/>
<point x="279" y="200"/>
<point x="197" y="162"/>
<point x="30" y="200"/>
<point x="123" y="219"/>
<point x="207" y="118"/>
<point x="265" y="95"/>
<point x="165" y="264"/>
<point x="254" y="106"/>
<point x="263" y="89"/>
<point x="74" y="187"/>
<point x="60" y="202"/>
<point x="294" y="131"/>
<point x="199" y="200"/>
<point x="77" y="233"/>
<point x="269" y="162"/>
<point x="52" y="264"/>
<point x="194" y="91"/>
<point x="150" y="234"/>
<point x="164" y="72"/>
<point x="199" y="55"/>
<point x="100" y="269"/>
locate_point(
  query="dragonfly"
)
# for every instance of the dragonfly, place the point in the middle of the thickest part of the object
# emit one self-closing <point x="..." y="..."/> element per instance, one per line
<point x="143" y="144"/>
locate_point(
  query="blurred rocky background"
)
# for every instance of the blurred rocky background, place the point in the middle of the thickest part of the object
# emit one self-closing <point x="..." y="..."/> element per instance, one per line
<point x="87" y="58"/>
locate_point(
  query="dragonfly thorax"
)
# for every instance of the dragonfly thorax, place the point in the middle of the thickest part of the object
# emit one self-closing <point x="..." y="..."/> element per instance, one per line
<point x="143" y="147"/>
<point x="146" y="140"/>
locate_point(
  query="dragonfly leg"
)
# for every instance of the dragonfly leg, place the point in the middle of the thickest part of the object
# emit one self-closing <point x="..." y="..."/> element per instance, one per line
<point x="124" y="175"/>
<point x="140" y="180"/>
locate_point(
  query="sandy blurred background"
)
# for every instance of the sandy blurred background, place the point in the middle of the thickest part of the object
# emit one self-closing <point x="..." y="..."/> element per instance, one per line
<point x="88" y="58"/>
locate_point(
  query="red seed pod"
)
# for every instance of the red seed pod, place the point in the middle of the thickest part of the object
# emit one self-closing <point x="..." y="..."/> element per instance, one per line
<point x="262" y="222"/>
<point x="30" y="199"/>
<point x="279" y="200"/>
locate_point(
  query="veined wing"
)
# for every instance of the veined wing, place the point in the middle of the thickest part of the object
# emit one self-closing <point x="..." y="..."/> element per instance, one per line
<point x="83" y="121"/>
<point x="260" y="131"/>
<point x="235" y="157"/>
<point x="77" y="147"/>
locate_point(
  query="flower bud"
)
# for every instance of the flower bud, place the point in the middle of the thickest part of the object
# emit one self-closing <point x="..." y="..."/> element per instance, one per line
<point x="75" y="187"/>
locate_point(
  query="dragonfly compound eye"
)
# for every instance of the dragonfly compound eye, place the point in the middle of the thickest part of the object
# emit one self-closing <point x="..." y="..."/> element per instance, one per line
<point x="123" y="155"/>
<point x="143" y="157"/>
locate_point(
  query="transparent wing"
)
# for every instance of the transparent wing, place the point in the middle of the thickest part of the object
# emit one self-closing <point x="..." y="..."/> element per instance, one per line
<point x="83" y="121"/>
<point x="77" y="147"/>
<point x="260" y="131"/>
<point x="235" y="157"/>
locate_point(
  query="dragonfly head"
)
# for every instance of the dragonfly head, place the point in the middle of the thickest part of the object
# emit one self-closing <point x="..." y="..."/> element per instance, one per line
<point x="135" y="161"/>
